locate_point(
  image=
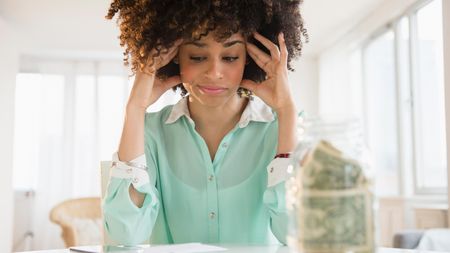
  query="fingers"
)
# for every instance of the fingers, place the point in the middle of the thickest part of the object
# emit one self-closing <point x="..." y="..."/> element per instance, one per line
<point x="249" y="85"/>
<point x="261" y="59"/>
<point x="283" y="48"/>
<point x="162" y="85"/>
<point x="274" y="50"/>
<point x="178" y="42"/>
<point x="277" y="53"/>
<point x="165" y="55"/>
<point x="171" y="82"/>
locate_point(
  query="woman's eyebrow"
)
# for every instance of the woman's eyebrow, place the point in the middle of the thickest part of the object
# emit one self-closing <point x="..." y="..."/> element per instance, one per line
<point x="202" y="45"/>
<point x="231" y="43"/>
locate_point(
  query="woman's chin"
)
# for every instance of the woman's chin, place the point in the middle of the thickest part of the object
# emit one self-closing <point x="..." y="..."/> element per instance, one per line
<point x="211" y="100"/>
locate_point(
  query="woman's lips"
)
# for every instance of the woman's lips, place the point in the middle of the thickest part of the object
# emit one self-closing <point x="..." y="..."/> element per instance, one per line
<point x="211" y="90"/>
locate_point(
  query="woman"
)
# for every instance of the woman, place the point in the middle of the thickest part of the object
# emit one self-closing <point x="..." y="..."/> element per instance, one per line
<point x="210" y="168"/>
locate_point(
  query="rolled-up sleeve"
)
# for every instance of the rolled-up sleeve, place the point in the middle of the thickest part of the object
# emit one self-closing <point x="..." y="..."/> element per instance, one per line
<point x="124" y="222"/>
<point x="274" y="196"/>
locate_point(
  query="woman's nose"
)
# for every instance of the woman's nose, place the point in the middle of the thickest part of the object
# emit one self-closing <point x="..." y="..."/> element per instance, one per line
<point x="214" y="70"/>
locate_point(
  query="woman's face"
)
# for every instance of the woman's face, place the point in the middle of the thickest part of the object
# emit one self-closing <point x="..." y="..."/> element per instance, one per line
<point x="212" y="71"/>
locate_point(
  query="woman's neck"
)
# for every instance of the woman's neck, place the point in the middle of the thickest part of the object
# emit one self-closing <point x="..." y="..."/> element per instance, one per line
<point x="222" y="117"/>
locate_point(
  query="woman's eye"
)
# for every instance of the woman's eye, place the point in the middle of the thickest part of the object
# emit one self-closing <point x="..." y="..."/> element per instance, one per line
<point x="230" y="59"/>
<point x="197" y="58"/>
<point x="201" y="58"/>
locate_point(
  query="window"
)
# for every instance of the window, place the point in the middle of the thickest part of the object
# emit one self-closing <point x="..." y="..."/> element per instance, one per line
<point x="39" y="119"/>
<point x="381" y="113"/>
<point x="404" y="91"/>
<point x="428" y="97"/>
<point x="69" y="117"/>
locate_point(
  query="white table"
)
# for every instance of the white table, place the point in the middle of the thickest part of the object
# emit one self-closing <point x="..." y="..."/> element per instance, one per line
<point x="250" y="249"/>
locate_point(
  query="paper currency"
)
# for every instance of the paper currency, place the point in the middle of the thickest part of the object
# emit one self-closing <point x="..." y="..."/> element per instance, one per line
<point x="335" y="211"/>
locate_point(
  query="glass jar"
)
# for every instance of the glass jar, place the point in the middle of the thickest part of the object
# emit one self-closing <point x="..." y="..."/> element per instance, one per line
<point x="330" y="197"/>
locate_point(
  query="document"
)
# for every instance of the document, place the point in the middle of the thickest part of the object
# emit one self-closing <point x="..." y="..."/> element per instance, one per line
<point x="169" y="248"/>
<point x="183" y="248"/>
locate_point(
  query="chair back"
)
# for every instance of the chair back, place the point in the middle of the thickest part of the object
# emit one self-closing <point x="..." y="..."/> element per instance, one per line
<point x="80" y="220"/>
<point x="105" y="169"/>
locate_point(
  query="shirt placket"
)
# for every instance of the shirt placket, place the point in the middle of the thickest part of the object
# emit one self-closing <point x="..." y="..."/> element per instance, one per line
<point x="213" y="204"/>
<point x="212" y="187"/>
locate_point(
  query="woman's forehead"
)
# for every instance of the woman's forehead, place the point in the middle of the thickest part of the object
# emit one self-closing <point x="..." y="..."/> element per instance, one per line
<point x="236" y="38"/>
<point x="214" y="36"/>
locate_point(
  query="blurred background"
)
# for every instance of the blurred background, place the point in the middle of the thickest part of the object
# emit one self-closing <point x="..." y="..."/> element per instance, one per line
<point x="63" y="88"/>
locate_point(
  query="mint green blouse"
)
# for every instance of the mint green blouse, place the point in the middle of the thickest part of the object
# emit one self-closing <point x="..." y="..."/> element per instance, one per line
<point x="190" y="198"/>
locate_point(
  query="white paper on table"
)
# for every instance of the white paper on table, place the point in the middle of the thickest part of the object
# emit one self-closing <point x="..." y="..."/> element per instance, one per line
<point x="183" y="248"/>
<point x="170" y="248"/>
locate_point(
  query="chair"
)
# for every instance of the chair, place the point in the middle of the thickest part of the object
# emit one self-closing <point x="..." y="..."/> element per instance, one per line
<point x="407" y="239"/>
<point x="80" y="221"/>
<point x="105" y="167"/>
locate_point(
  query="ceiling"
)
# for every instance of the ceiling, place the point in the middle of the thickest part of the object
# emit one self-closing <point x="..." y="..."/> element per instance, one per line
<point x="80" y="26"/>
<point x="328" y="20"/>
<point x="61" y="25"/>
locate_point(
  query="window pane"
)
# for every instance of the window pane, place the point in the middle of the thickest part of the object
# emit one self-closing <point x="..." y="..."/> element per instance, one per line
<point x="429" y="99"/>
<point x="38" y="129"/>
<point x="381" y="112"/>
<point x="111" y="97"/>
<point x="85" y="137"/>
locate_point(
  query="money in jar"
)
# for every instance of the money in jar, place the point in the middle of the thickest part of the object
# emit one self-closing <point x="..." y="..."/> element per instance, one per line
<point x="330" y="197"/>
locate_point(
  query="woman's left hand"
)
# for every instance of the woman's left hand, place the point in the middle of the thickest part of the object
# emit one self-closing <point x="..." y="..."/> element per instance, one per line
<point x="275" y="90"/>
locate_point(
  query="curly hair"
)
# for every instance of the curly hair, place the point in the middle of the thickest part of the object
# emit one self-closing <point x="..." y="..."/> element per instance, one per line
<point x="157" y="24"/>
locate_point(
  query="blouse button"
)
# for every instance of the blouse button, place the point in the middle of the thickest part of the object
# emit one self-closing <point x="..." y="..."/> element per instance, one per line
<point x="211" y="177"/>
<point x="135" y="180"/>
<point x="212" y="215"/>
<point x="225" y="145"/>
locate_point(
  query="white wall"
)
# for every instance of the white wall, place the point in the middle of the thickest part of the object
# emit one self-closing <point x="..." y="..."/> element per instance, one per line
<point x="304" y="83"/>
<point x="336" y="94"/>
<point x="49" y="26"/>
<point x="8" y="70"/>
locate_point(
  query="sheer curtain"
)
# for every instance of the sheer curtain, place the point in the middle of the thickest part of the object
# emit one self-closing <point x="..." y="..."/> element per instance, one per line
<point x="69" y="117"/>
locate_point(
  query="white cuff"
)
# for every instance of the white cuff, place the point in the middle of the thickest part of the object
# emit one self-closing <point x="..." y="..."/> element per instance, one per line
<point x="136" y="170"/>
<point x="140" y="160"/>
<point x="278" y="171"/>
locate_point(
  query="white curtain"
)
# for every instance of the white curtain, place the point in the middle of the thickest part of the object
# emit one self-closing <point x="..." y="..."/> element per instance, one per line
<point x="69" y="117"/>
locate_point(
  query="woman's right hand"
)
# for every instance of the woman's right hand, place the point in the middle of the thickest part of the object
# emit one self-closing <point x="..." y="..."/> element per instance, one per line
<point x="147" y="88"/>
